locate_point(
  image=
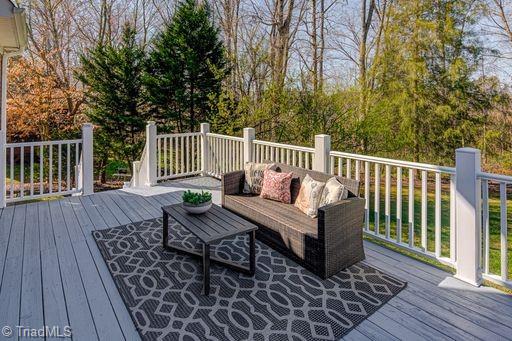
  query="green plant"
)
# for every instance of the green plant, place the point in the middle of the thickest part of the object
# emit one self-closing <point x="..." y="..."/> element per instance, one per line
<point x="195" y="198"/>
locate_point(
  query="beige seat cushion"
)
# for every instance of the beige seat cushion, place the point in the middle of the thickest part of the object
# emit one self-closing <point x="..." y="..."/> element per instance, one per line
<point x="275" y="215"/>
<point x="309" y="196"/>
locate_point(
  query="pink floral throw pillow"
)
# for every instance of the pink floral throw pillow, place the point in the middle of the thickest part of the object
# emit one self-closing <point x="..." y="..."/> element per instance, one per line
<point x="276" y="186"/>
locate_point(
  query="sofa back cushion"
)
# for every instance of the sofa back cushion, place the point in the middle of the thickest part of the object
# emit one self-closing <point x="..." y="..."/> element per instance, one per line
<point x="254" y="176"/>
<point x="333" y="191"/>
<point x="350" y="184"/>
<point x="309" y="196"/>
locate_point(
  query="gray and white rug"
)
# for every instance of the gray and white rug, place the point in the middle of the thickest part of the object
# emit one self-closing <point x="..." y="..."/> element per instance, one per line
<point x="283" y="301"/>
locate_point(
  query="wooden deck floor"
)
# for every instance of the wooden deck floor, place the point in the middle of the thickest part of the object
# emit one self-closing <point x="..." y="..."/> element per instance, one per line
<point x="52" y="274"/>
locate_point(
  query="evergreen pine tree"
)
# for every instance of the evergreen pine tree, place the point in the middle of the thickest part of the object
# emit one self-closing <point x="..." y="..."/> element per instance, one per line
<point x="186" y="68"/>
<point x="113" y="79"/>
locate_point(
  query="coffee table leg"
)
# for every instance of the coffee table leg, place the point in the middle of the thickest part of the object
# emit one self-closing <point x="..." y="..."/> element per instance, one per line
<point x="206" y="269"/>
<point x="165" y="232"/>
<point x="252" y="252"/>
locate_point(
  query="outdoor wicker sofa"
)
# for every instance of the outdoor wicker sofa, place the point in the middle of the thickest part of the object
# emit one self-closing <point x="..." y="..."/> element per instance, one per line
<point x="324" y="245"/>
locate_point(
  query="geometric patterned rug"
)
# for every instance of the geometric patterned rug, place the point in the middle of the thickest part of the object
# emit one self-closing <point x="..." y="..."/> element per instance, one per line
<point x="283" y="301"/>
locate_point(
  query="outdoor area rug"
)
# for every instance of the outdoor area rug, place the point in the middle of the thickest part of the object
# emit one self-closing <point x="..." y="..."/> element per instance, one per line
<point x="283" y="301"/>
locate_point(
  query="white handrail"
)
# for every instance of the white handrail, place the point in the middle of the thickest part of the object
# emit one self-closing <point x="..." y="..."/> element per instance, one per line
<point x="285" y="146"/>
<point x="495" y="177"/>
<point x="225" y="137"/>
<point x="43" y="143"/>
<point x="396" y="163"/>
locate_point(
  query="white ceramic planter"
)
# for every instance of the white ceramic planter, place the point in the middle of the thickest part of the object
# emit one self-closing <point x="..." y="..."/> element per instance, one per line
<point x="197" y="209"/>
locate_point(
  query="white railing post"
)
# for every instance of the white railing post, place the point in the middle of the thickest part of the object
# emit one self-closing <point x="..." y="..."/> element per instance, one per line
<point x="322" y="153"/>
<point x="151" y="153"/>
<point x="3" y="165"/>
<point x="135" y="174"/>
<point x="249" y="136"/>
<point x="3" y="126"/>
<point x="468" y="223"/>
<point x="205" y="148"/>
<point x="87" y="160"/>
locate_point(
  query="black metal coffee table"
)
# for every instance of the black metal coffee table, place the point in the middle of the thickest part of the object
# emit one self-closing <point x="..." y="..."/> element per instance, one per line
<point x="212" y="226"/>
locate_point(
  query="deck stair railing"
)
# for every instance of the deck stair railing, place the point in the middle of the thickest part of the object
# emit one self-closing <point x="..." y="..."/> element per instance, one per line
<point x="443" y="213"/>
<point x="34" y="170"/>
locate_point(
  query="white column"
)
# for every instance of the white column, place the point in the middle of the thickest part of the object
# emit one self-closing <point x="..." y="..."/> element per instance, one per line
<point x="322" y="151"/>
<point x="3" y="126"/>
<point x="205" y="148"/>
<point x="151" y="153"/>
<point x="3" y="97"/>
<point x="249" y="136"/>
<point x="468" y="215"/>
<point x="2" y="170"/>
<point x="87" y="160"/>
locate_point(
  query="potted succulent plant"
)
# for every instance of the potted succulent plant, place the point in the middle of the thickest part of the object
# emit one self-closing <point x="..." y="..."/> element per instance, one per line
<point x="197" y="203"/>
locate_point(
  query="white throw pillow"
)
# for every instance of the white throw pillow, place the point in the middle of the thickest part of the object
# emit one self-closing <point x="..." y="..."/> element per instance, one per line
<point x="334" y="191"/>
<point x="309" y="196"/>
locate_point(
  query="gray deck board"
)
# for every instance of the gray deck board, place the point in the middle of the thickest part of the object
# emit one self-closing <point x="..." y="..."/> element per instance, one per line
<point x="130" y="212"/>
<point x="104" y="317"/>
<point x="80" y="316"/>
<point x="52" y="273"/>
<point x="374" y="332"/>
<point x="10" y="293"/>
<point x="31" y="310"/>
<point x="94" y="213"/>
<point x="444" y="300"/>
<point x="55" y="310"/>
<point x="117" y="212"/>
<point x="5" y="231"/>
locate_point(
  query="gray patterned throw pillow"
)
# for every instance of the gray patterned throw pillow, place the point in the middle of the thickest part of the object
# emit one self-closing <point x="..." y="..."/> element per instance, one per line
<point x="254" y="176"/>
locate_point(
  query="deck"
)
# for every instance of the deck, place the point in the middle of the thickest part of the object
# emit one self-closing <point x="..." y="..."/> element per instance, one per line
<point x="53" y="274"/>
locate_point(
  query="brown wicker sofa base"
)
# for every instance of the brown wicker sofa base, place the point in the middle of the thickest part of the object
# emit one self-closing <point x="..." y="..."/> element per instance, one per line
<point x="324" y="245"/>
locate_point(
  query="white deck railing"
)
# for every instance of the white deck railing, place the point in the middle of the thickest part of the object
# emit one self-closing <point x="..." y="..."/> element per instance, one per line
<point x="47" y="168"/>
<point x="420" y="184"/>
<point x="283" y="153"/>
<point x="498" y="273"/>
<point x="51" y="169"/>
<point x="178" y="155"/>
<point x="419" y="207"/>
<point x="226" y="154"/>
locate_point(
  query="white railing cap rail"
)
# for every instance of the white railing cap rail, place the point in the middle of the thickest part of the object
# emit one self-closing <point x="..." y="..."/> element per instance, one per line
<point x="225" y="137"/>
<point x="160" y="136"/>
<point x="42" y="143"/>
<point x="286" y="146"/>
<point x="397" y="163"/>
<point x="494" y="177"/>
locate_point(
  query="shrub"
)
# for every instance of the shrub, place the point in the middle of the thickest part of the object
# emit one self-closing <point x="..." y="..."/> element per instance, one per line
<point x="194" y="198"/>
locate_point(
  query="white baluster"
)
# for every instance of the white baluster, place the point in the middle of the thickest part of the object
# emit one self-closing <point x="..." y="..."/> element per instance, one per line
<point x="503" y="231"/>
<point x="438" y="216"/>
<point x="377" y="199"/>
<point x="424" y="206"/>
<point x="387" y="201"/>
<point x="485" y="220"/>
<point x="411" y="207"/>
<point x="399" y="204"/>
